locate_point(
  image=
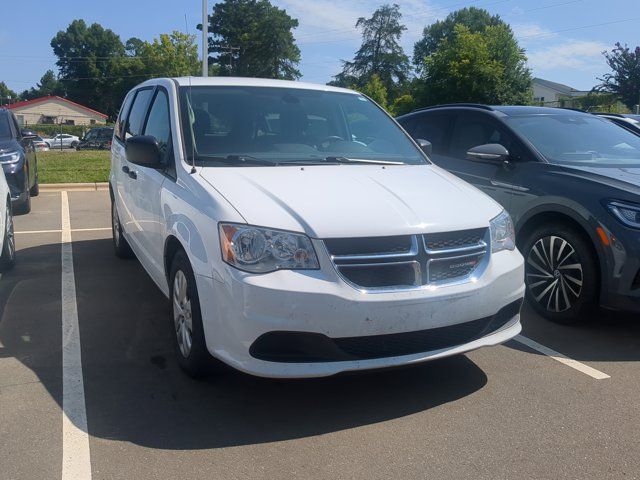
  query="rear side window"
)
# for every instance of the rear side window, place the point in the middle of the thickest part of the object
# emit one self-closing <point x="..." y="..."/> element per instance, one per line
<point x="433" y="127"/>
<point x="158" y="124"/>
<point x="138" y="113"/>
<point x="472" y="130"/>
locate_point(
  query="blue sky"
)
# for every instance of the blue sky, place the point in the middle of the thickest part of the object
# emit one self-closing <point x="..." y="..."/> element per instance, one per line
<point x="563" y="38"/>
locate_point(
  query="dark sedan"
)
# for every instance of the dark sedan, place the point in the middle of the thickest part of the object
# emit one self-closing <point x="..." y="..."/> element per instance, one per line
<point x="18" y="159"/>
<point x="96" y="139"/>
<point x="571" y="181"/>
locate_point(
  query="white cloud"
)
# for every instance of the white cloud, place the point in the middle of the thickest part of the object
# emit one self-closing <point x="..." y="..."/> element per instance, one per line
<point x="574" y="54"/>
<point x="527" y="32"/>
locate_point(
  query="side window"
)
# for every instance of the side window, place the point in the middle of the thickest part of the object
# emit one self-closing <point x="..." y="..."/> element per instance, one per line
<point x="122" y="117"/>
<point x="474" y="129"/>
<point x="433" y="127"/>
<point x="158" y="123"/>
<point x="138" y="113"/>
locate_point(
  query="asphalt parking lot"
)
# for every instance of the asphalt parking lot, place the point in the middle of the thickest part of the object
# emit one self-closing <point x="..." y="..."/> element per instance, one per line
<point x="509" y="412"/>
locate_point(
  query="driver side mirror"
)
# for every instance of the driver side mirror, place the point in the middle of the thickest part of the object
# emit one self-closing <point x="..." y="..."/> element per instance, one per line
<point x="489" y="153"/>
<point x="424" y="145"/>
<point x="143" y="150"/>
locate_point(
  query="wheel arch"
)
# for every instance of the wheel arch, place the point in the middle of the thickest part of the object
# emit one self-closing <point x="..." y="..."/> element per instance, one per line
<point x="172" y="245"/>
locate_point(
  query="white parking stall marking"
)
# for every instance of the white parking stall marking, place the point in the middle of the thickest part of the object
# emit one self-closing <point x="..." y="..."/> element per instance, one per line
<point x="76" y="458"/>
<point x="97" y="229"/>
<point x="581" y="367"/>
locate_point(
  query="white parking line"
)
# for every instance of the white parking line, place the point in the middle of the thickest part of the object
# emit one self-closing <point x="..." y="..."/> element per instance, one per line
<point x="76" y="457"/>
<point x="569" y="362"/>
<point x="98" y="229"/>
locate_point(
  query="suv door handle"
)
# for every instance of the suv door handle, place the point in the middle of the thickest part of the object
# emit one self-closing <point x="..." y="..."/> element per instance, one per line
<point x="125" y="169"/>
<point x="133" y="174"/>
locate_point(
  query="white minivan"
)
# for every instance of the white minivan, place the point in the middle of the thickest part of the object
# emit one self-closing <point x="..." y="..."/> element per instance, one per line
<point x="298" y="231"/>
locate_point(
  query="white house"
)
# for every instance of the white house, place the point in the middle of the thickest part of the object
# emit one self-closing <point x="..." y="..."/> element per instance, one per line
<point x="58" y="110"/>
<point x="550" y="93"/>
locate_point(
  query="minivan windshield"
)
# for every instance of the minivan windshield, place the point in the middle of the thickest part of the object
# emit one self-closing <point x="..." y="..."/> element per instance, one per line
<point x="236" y="126"/>
<point x="579" y="139"/>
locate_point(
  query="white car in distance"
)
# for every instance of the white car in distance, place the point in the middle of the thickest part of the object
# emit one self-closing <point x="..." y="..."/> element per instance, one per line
<point x="62" y="140"/>
<point x="298" y="231"/>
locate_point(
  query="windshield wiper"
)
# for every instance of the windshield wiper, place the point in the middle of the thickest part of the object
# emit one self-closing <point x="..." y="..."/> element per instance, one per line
<point x="238" y="160"/>
<point x="360" y="160"/>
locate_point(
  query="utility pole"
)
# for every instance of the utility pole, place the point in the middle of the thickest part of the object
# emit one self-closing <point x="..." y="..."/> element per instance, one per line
<point x="205" y="39"/>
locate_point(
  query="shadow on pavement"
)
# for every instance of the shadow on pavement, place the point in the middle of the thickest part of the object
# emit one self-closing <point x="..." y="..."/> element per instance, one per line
<point x="136" y="393"/>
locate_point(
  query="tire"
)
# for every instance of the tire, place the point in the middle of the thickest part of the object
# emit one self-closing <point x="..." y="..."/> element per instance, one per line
<point x="121" y="247"/>
<point x="8" y="254"/>
<point x="35" y="190"/>
<point x="24" y="207"/>
<point x="186" y="320"/>
<point x="561" y="274"/>
<point x="74" y="144"/>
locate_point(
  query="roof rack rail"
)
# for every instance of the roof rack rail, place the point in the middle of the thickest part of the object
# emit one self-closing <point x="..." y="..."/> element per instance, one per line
<point x="619" y="115"/>
<point x="444" y="105"/>
<point x="575" y="109"/>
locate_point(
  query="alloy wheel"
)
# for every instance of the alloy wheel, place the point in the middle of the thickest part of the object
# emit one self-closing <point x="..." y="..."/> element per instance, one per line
<point x="553" y="273"/>
<point x="182" y="315"/>
<point x="10" y="236"/>
<point x="115" y="225"/>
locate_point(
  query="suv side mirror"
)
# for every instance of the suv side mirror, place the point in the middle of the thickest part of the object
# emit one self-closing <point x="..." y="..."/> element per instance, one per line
<point x="489" y="153"/>
<point x="143" y="150"/>
<point x="424" y="145"/>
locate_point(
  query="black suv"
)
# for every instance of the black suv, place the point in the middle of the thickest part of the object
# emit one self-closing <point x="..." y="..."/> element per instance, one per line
<point x="96" y="139"/>
<point x="18" y="159"/>
<point x="571" y="182"/>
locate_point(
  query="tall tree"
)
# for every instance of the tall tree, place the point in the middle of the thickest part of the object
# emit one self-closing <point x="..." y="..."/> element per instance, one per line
<point x="252" y="38"/>
<point x="475" y="19"/>
<point x="624" y="80"/>
<point x="170" y="55"/>
<point x="89" y="60"/>
<point x="48" y="85"/>
<point x="380" y="53"/>
<point x="484" y="67"/>
<point x="6" y="94"/>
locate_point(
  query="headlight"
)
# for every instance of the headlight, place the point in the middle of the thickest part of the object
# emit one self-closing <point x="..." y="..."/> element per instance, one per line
<point x="9" y="157"/>
<point x="261" y="250"/>
<point x="503" y="235"/>
<point x="627" y="213"/>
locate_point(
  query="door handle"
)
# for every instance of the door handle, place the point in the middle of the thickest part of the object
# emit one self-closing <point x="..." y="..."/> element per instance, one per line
<point x="133" y="174"/>
<point x="125" y="169"/>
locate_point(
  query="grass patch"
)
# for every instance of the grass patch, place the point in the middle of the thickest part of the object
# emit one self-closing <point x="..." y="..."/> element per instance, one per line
<point x="70" y="166"/>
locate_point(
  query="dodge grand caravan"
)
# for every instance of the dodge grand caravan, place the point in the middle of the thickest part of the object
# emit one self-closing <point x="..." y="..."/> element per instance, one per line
<point x="298" y="231"/>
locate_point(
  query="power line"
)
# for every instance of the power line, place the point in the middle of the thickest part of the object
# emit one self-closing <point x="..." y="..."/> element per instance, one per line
<point x="546" y="34"/>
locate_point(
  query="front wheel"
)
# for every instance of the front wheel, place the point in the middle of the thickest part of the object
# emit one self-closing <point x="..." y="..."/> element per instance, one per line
<point x="186" y="319"/>
<point x="74" y="144"/>
<point x="561" y="274"/>
<point x="120" y="244"/>
<point x="8" y="255"/>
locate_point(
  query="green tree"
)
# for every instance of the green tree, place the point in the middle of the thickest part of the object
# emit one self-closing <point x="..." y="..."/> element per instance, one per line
<point x="624" y="80"/>
<point x="252" y="38"/>
<point x="170" y="55"/>
<point x="375" y="90"/>
<point x="403" y="104"/>
<point x="484" y="67"/>
<point x="48" y="85"/>
<point x="90" y="61"/>
<point x="380" y="53"/>
<point x="475" y="19"/>
<point x="6" y="94"/>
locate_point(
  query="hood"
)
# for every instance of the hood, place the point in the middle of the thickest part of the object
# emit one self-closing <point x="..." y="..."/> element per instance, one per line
<point x="333" y="201"/>
<point x="8" y="145"/>
<point x="627" y="178"/>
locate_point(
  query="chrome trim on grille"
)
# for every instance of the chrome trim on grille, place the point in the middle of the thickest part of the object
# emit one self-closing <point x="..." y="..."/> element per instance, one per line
<point x="421" y="260"/>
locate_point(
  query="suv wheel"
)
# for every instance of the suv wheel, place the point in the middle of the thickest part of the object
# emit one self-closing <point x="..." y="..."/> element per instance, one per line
<point x="120" y="244"/>
<point x="186" y="319"/>
<point x="561" y="274"/>
<point x="8" y="255"/>
<point x="35" y="190"/>
<point x="24" y="207"/>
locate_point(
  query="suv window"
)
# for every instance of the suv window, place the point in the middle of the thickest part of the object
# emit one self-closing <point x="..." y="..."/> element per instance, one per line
<point x="433" y="127"/>
<point x="474" y="129"/>
<point x="122" y="116"/>
<point x="138" y="113"/>
<point x="158" y="123"/>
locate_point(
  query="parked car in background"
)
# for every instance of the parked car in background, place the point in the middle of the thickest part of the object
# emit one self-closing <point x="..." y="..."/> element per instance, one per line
<point x="96" y="139"/>
<point x="18" y="159"/>
<point x="7" y="239"/>
<point x="39" y="144"/>
<point x="625" y="122"/>
<point x="571" y="181"/>
<point x="62" y="140"/>
<point x="314" y="239"/>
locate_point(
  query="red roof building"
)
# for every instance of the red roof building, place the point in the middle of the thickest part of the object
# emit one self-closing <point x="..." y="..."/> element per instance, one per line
<point x="55" y="110"/>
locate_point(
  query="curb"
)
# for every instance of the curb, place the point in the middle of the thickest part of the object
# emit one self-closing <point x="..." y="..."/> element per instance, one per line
<point x="74" y="187"/>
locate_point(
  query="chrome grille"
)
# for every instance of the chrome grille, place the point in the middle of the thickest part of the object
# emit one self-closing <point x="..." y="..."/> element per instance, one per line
<point x="410" y="261"/>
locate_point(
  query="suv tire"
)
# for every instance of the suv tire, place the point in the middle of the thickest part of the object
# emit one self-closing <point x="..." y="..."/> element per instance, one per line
<point x="561" y="274"/>
<point x="120" y="245"/>
<point x="8" y="254"/>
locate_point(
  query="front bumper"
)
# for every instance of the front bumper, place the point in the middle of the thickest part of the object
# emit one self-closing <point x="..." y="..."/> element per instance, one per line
<point x="239" y="308"/>
<point x="16" y="176"/>
<point x="621" y="276"/>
